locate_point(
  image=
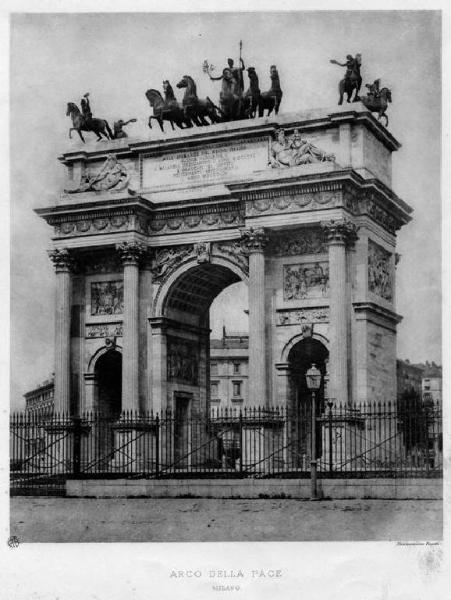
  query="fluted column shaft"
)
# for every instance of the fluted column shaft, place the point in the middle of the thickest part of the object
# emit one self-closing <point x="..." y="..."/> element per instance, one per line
<point x="63" y="263"/>
<point x="131" y="253"/>
<point x="340" y="235"/>
<point x="254" y="243"/>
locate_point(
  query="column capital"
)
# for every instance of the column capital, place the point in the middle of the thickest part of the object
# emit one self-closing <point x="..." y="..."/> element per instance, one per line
<point x="61" y="259"/>
<point x="254" y="240"/>
<point x="131" y="253"/>
<point x="340" y="232"/>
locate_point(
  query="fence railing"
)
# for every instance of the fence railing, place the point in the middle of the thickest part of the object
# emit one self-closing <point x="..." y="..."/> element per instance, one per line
<point x="366" y="440"/>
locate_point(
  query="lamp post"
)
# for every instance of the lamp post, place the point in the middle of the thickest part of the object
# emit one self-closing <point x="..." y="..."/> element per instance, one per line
<point x="313" y="380"/>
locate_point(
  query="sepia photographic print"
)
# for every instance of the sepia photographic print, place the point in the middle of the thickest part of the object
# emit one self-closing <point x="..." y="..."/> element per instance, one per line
<point x="226" y="300"/>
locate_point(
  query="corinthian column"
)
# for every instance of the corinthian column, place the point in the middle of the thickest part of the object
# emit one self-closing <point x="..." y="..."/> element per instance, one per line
<point x="254" y="242"/>
<point x="130" y="253"/>
<point x="340" y="235"/>
<point x="63" y="263"/>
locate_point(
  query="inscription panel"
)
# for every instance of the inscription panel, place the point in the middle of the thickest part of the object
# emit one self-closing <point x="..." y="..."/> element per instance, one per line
<point x="211" y="163"/>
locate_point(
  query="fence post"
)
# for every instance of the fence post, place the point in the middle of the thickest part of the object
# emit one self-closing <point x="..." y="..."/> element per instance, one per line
<point x="157" y="446"/>
<point x="77" y="444"/>
<point x="331" y="468"/>
<point x="240" y="421"/>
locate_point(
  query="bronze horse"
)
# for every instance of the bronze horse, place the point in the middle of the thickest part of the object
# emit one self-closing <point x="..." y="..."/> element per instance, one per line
<point x="252" y="96"/>
<point x="194" y="108"/>
<point x="169" y="110"/>
<point x="378" y="104"/>
<point x="348" y="84"/>
<point x="79" y="123"/>
<point x="271" y="99"/>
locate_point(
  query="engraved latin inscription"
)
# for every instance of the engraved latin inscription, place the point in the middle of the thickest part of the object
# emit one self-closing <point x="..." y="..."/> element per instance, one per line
<point x="210" y="163"/>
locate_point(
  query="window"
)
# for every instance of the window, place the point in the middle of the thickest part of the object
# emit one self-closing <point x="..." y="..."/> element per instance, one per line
<point x="236" y="368"/>
<point x="214" y="390"/>
<point x="237" y="388"/>
<point x="214" y="368"/>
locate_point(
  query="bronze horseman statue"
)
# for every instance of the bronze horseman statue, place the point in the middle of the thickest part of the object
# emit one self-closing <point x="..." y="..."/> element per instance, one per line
<point x="84" y="121"/>
<point x="352" y="79"/>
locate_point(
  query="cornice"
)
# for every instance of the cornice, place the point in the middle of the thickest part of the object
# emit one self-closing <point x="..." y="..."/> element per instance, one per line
<point x="377" y="310"/>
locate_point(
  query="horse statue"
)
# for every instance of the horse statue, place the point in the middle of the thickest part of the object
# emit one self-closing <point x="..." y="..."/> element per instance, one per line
<point x="194" y="108"/>
<point x="166" y="110"/>
<point x="378" y="103"/>
<point x="271" y="99"/>
<point x="352" y="80"/>
<point x="79" y="123"/>
<point x="252" y="96"/>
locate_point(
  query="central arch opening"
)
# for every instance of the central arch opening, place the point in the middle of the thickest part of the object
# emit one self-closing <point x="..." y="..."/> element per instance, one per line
<point x="207" y="357"/>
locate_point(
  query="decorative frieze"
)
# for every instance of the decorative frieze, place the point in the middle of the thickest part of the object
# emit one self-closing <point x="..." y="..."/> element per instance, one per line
<point x="107" y="298"/>
<point x="293" y="199"/>
<point x="306" y="280"/>
<point x="93" y="224"/>
<point x="302" y="316"/>
<point x="182" y="361"/>
<point x="380" y="271"/>
<point x="104" y="330"/>
<point x="230" y="216"/>
<point x="305" y="241"/>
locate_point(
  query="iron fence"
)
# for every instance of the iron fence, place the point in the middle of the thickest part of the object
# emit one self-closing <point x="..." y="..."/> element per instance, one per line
<point x="365" y="440"/>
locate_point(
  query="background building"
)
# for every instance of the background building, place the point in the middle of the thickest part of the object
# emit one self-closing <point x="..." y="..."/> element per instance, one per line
<point x="41" y="399"/>
<point x="408" y="377"/>
<point x="229" y="359"/>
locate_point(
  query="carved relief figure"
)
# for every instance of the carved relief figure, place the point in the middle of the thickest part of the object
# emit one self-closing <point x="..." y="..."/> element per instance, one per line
<point x="309" y="241"/>
<point x="294" y="150"/>
<point x="111" y="176"/>
<point x="380" y="277"/>
<point x="167" y="259"/>
<point x="308" y="280"/>
<point x="183" y="364"/>
<point x="107" y="298"/>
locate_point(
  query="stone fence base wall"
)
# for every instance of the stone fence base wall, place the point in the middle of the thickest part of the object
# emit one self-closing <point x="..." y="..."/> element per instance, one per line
<point x="396" y="489"/>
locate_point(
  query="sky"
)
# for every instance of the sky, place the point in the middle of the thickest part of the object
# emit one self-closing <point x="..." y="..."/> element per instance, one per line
<point x="116" y="57"/>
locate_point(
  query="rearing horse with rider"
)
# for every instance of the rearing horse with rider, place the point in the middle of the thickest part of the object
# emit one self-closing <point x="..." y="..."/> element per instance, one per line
<point x="376" y="100"/>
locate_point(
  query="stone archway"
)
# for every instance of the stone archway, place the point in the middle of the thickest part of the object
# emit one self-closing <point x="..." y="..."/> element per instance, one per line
<point x="181" y="332"/>
<point x="108" y="382"/>
<point x="301" y="356"/>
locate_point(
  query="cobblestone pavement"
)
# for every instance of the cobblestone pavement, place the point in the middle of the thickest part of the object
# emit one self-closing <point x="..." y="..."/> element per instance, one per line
<point x="197" y="520"/>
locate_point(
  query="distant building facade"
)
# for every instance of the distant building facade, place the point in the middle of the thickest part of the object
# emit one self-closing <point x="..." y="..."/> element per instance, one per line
<point x="408" y="377"/>
<point x="41" y="399"/>
<point x="431" y="383"/>
<point x="229" y="362"/>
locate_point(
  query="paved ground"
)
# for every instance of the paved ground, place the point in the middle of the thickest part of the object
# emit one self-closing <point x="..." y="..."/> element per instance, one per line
<point x="202" y="520"/>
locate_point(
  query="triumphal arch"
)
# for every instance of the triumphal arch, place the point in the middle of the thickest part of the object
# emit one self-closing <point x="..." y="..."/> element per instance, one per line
<point x="148" y="232"/>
